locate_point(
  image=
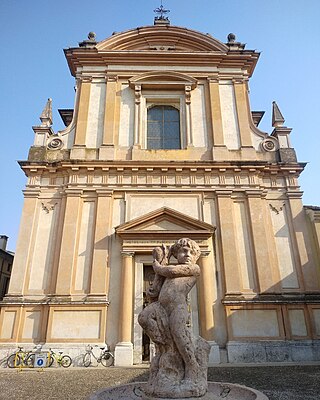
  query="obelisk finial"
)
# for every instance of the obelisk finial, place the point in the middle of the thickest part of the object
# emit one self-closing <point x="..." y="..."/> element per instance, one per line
<point x="46" y="115"/>
<point x="277" y="117"/>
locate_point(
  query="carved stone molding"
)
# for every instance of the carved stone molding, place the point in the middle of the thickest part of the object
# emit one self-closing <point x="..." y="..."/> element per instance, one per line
<point x="188" y="89"/>
<point x="275" y="209"/>
<point x="85" y="79"/>
<point x="269" y="145"/>
<point x="48" y="205"/>
<point x="55" y="144"/>
<point x="137" y="94"/>
<point x="111" y="78"/>
<point x="127" y="254"/>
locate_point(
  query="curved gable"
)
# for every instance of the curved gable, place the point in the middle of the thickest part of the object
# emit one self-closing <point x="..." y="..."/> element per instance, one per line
<point x="161" y="77"/>
<point x="170" y="38"/>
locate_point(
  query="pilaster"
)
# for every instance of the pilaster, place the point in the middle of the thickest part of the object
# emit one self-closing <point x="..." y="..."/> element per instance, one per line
<point x="316" y="220"/>
<point x="124" y="348"/>
<point x="314" y="216"/>
<point x="99" y="274"/>
<point x="306" y="264"/>
<point x="82" y="120"/>
<point x="240" y="90"/>
<point x="263" y="245"/>
<point x="216" y="115"/>
<point x="206" y="296"/>
<point x="68" y="243"/>
<point x="107" y="149"/>
<point x="20" y="263"/>
<point x="228" y="241"/>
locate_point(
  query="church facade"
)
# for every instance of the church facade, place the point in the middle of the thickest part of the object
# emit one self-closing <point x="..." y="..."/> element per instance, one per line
<point x="162" y="144"/>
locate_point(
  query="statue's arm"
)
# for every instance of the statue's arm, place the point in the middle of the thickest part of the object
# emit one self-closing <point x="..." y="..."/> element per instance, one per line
<point x="175" y="271"/>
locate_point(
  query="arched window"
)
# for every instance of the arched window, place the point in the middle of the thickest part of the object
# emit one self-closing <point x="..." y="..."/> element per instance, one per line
<point x="163" y="128"/>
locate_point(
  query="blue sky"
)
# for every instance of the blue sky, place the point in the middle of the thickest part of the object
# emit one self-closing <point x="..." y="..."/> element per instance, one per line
<point x="33" y="68"/>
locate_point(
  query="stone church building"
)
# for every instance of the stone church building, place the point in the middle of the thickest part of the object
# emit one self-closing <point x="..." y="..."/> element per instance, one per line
<point x="162" y="144"/>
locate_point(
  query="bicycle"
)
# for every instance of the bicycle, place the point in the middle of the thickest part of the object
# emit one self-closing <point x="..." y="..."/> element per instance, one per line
<point x="62" y="360"/>
<point x="106" y="358"/>
<point x="21" y="358"/>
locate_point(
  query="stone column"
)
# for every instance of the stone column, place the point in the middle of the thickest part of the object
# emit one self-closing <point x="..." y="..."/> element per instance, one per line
<point x="206" y="296"/>
<point x="240" y="90"/>
<point x="107" y="149"/>
<point x="68" y="243"/>
<point x="124" y="348"/>
<point x="99" y="274"/>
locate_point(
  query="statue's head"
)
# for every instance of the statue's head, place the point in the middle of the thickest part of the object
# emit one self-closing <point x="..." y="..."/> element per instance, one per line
<point x="186" y="251"/>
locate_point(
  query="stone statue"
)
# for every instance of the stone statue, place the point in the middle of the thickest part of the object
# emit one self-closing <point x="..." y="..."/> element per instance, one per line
<point x="179" y="367"/>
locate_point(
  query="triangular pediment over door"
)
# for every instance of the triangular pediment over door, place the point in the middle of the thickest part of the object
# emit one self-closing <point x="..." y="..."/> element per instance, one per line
<point x="164" y="225"/>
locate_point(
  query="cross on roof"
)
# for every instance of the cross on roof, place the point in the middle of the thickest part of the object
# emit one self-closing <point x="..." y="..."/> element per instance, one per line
<point x="161" y="11"/>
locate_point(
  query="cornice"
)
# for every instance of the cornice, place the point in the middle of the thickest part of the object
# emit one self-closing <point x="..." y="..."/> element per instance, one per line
<point x="80" y="57"/>
<point x="230" y="177"/>
<point x="75" y="165"/>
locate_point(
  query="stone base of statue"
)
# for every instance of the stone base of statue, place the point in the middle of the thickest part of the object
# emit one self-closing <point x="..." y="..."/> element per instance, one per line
<point x="216" y="391"/>
<point x="167" y="372"/>
<point x="179" y="368"/>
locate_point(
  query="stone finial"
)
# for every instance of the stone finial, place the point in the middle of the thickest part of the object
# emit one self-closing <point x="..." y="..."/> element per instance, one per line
<point x="287" y="153"/>
<point x="231" y="38"/>
<point x="92" y="36"/>
<point x="232" y="44"/>
<point x="277" y="117"/>
<point x="91" y="42"/>
<point x="46" y="115"/>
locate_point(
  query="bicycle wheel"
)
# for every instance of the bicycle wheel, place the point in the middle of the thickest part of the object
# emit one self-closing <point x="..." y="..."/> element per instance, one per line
<point x="30" y="360"/>
<point x="107" y="360"/>
<point x="50" y="360"/>
<point x="87" y="360"/>
<point x="66" y="361"/>
<point x="13" y="361"/>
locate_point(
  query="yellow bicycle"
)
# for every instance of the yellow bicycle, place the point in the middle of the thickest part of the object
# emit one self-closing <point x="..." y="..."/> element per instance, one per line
<point x="21" y="358"/>
<point x="62" y="360"/>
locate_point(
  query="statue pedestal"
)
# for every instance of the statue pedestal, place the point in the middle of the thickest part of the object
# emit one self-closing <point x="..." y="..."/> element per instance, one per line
<point x="216" y="391"/>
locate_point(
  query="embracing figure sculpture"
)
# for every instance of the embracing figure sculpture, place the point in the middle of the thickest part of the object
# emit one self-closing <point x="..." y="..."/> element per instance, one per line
<point x="179" y="367"/>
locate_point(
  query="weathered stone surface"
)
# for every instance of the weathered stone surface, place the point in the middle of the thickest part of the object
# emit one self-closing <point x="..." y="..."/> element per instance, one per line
<point x="179" y="367"/>
<point x="216" y="391"/>
<point x="274" y="351"/>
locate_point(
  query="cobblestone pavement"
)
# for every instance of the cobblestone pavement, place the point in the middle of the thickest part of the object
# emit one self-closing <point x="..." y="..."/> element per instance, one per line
<point x="277" y="382"/>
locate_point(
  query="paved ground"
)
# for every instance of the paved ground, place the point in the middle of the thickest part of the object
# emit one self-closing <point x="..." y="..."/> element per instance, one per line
<point x="278" y="383"/>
